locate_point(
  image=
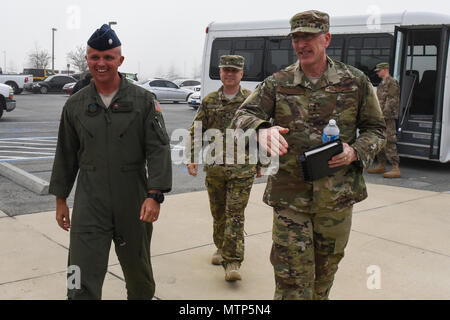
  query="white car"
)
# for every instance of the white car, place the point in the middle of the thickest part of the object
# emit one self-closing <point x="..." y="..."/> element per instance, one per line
<point x="6" y="99"/>
<point x="190" y="84"/>
<point x="195" y="100"/>
<point x="164" y="90"/>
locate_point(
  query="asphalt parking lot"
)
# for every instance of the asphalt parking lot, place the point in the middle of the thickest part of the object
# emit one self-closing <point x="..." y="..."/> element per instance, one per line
<point x="28" y="138"/>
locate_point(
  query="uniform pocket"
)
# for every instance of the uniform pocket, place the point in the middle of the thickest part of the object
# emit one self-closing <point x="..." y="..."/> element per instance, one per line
<point x="160" y="130"/>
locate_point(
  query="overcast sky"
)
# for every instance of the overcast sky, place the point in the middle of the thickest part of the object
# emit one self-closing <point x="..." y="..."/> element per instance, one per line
<point x="154" y="34"/>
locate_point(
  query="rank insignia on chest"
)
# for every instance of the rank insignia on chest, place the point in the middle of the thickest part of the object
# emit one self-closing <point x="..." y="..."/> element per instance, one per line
<point x="116" y="106"/>
<point x="93" y="109"/>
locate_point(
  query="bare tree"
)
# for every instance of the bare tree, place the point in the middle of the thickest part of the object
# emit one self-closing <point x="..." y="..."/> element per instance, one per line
<point x="172" y="73"/>
<point x="38" y="59"/>
<point x="77" y="58"/>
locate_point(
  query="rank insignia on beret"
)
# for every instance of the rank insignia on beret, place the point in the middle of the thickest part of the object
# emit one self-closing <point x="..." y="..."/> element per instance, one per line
<point x="157" y="107"/>
<point x="104" y="38"/>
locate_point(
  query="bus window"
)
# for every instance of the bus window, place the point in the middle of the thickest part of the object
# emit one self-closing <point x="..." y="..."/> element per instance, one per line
<point x="422" y="60"/>
<point x="220" y="47"/>
<point x="280" y="55"/>
<point x="366" y="51"/>
<point x="252" y="51"/>
<point x="335" y="49"/>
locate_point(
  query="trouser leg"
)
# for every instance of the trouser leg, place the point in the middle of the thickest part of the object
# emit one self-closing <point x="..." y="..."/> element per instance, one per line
<point x="390" y="150"/>
<point x="216" y="185"/>
<point x="331" y="234"/>
<point x="133" y="251"/>
<point x="237" y="195"/>
<point x="292" y="255"/>
<point x="88" y="253"/>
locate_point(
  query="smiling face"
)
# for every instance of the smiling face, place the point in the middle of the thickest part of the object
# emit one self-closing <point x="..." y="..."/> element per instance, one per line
<point x="231" y="77"/>
<point x="311" y="48"/>
<point x="103" y="65"/>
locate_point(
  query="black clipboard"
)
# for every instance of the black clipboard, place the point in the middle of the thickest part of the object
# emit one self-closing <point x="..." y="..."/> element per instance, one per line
<point x="314" y="162"/>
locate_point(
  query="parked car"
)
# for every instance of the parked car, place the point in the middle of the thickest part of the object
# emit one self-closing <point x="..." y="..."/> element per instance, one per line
<point x="52" y="84"/>
<point x="16" y="81"/>
<point x="6" y="99"/>
<point x="164" y="90"/>
<point x="195" y="100"/>
<point x="39" y="74"/>
<point x="67" y="88"/>
<point x="190" y="84"/>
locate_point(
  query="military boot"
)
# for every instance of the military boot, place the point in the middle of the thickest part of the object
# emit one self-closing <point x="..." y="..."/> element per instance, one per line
<point x="232" y="272"/>
<point x="379" y="169"/>
<point x="394" y="173"/>
<point x="217" y="258"/>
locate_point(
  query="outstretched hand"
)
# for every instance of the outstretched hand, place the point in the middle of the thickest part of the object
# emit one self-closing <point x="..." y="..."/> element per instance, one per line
<point x="272" y="141"/>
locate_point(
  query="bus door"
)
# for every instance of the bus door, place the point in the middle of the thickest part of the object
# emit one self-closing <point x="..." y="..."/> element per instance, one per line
<point x="420" y="65"/>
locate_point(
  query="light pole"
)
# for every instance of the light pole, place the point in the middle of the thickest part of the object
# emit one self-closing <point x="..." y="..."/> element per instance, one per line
<point x="111" y="23"/>
<point x="4" y="61"/>
<point x="53" y="48"/>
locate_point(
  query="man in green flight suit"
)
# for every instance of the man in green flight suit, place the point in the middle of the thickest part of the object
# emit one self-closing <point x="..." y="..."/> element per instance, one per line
<point x="110" y="132"/>
<point x="312" y="220"/>
<point x="228" y="184"/>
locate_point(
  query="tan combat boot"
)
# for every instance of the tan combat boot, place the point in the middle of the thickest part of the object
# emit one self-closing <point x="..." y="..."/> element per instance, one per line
<point x="217" y="258"/>
<point x="380" y="169"/>
<point x="394" y="173"/>
<point x="232" y="272"/>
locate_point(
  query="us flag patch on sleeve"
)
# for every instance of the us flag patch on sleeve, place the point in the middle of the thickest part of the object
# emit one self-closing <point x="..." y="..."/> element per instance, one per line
<point x="157" y="106"/>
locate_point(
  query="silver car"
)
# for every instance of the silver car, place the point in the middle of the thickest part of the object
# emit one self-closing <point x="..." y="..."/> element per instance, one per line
<point x="164" y="90"/>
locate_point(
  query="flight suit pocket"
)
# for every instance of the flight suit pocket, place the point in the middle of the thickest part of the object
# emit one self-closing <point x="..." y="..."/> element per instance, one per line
<point x="160" y="130"/>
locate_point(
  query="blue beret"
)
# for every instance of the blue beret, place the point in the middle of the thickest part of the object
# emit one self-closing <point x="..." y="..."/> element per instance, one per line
<point x="104" y="39"/>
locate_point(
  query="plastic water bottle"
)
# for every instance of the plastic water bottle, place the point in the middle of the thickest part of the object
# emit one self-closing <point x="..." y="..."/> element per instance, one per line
<point x="330" y="132"/>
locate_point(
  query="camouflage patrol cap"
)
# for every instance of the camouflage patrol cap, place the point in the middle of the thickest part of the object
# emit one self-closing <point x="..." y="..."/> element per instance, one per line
<point x="232" y="61"/>
<point x="381" y="66"/>
<point x="312" y="21"/>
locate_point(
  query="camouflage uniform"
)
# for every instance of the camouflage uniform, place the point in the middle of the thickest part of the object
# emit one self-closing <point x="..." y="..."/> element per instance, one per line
<point x="312" y="219"/>
<point x="228" y="185"/>
<point x="388" y="93"/>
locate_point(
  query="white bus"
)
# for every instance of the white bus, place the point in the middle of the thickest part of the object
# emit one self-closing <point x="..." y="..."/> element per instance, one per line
<point x="415" y="45"/>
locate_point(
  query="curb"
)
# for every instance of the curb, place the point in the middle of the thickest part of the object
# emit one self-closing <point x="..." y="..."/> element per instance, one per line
<point x="24" y="179"/>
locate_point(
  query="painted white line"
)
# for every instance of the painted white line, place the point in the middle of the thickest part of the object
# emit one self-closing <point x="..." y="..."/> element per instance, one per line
<point x="19" y="159"/>
<point x="30" y="148"/>
<point x="29" y="138"/>
<point x="24" y="152"/>
<point x="27" y="143"/>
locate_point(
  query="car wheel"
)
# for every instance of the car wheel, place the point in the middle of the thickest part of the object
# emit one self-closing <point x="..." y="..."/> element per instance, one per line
<point x="43" y="90"/>
<point x="14" y="86"/>
<point x="175" y="101"/>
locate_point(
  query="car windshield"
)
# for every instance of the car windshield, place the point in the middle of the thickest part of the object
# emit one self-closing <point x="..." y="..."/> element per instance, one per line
<point x="49" y="78"/>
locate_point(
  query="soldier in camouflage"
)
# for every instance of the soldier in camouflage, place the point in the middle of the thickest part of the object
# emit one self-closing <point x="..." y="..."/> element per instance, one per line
<point x="228" y="184"/>
<point x="312" y="220"/>
<point x="388" y="93"/>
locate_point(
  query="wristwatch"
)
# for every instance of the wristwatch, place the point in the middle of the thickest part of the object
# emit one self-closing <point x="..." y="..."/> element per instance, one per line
<point x="158" y="197"/>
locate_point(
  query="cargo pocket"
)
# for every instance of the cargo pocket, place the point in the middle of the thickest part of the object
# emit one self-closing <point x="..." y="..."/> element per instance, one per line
<point x="160" y="129"/>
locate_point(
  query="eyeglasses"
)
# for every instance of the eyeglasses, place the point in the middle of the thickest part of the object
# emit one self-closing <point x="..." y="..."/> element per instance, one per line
<point x="305" y="36"/>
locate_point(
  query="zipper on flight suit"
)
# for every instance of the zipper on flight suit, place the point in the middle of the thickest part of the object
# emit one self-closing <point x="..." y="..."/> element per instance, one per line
<point x="108" y="166"/>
